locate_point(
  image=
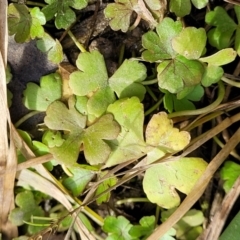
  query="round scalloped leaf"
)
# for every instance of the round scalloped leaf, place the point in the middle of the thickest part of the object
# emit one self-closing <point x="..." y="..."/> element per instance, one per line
<point x="160" y="133"/>
<point x="120" y="14"/>
<point x="180" y="7"/>
<point x="39" y="98"/>
<point x="157" y="45"/>
<point x="161" y="181"/>
<point x="175" y="74"/>
<point x="92" y="75"/>
<point x="190" y="42"/>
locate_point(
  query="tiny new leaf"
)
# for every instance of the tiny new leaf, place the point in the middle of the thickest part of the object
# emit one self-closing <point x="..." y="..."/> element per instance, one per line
<point x="25" y="24"/>
<point x="146" y="227"/>
<point x="96" y="150"/>
<point x="181" y="174"/>
<point x="117" y="228"/>
<point x="39" y="98"/>
<point x="106" y="184"/>
<point x="27" y="207"/>
<point x="78" y="182"/>
<point x="189" y="226"/>
<point x="224" y="26"/>
<point x="129" y="144"/>
<point x="61" y="10"/>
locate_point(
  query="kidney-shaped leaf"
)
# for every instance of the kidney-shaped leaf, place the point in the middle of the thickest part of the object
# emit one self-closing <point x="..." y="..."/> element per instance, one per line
<point x="39" y="98"/>
<point x="92" y="74"/>
<point x="190" y="42"/>
<point x="160" y="182"/>
<point x="175" y="74"/>
<point x="158" y="44"/>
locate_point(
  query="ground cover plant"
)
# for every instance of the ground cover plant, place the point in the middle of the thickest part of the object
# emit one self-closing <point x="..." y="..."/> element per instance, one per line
<point x="139" y="133"/>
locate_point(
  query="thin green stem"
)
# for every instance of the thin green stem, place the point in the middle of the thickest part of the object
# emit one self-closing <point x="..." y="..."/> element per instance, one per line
<point x="154" y="107"/>
<point x="26" y="117"/>
<point x="221" y="145"/>
<point x="149" y="82"/>
<point x="131" y="200"/>
<point x="157" y="214"/>
<point x="121" y="54"/>
<point x="151" y="93"/>
<point x="209" y="108"/>
<point x="77" y="43"/>
<point x="231" y="82"/>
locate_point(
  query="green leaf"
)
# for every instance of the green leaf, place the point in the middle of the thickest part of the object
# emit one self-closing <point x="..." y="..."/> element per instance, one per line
<point x="92" y="74"/>
<point x="126" y="81"/>
<point x="175" y="74"/>
<point x="39" y="98"/>
<point x="52" y="138"/>
<point x="171" y="101"/>
<point x="157" y="44"/>
<point x="190" y="42"/>
<point x="106" y="184"/>
<point x="146" y="227"/>
<point x="38" y="19"/>
<point x="229" y="174"/>
<point x="53" y="48"/>
<point x="220" y="58"/>
<point x="78" y="182"/>
<point x="27" y="207"/>
<point x="25" y="24"/>
<point x="61" y="10"/>
<point x="161" y="134"/>
<point x="199" y="4"/>
<point x="232" y="231"/>
<point x="220" y="36"/>
<point x="130" y="143"/>
<point x="91" y="80"/>
<point x="180" y="7"/>
<point x="96" y="150"/>
<point x="189" y="226"/>
<point x="59" y="117"/>
<point x="160" y="181"/>
<point x="212" y="75"/>
<point x="120" y="14"/>
<point x="117" y="228"/>
<point x="99" y="101"/>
